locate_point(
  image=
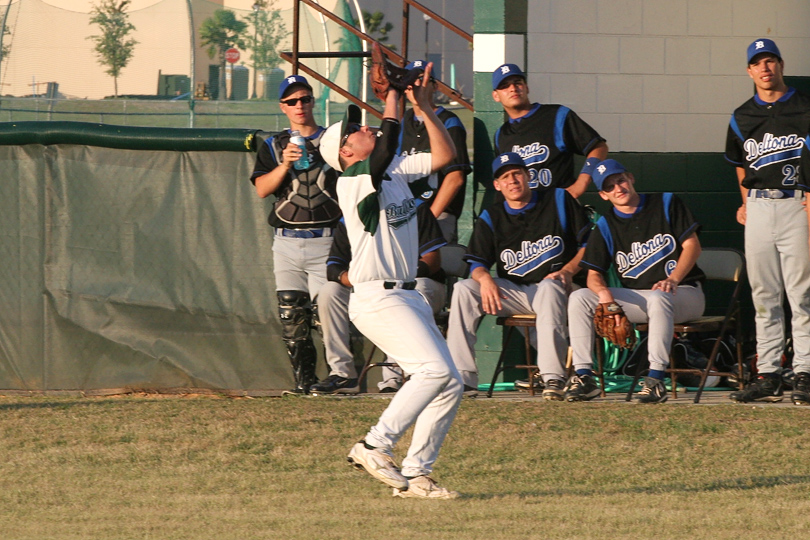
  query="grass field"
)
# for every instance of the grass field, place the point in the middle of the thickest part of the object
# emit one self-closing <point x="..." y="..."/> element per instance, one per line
<point x="274" y="468"/>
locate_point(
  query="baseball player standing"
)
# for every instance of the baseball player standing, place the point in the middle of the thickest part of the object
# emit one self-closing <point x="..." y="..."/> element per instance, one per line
<point x="535" y="238"/>
<point x="652" y="241"/>
<point x="764" y="142"/>
<point x="303" y="217"/>
<point x="380" y="215"/>
<point x="445" y="189"/>
<point x="545" y="136"/>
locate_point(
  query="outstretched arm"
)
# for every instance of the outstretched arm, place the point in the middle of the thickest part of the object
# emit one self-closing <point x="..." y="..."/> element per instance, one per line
<point x="442" y="149"/>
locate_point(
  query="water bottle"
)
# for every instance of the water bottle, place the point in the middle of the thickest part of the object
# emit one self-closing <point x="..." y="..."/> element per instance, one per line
<point x="296" y="139"/>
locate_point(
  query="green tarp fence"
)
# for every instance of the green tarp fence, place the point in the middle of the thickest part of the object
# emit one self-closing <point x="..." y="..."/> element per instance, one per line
<point x="134" y="258"/>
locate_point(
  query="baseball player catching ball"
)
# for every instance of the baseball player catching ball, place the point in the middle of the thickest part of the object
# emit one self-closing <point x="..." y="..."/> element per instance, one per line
<point x="652" y="241"/>
<point x="764" y="142"/>
<point x="380" y="216"/>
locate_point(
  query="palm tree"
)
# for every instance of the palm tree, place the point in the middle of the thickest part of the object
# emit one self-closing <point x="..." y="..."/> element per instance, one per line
<point x="221" y="32"/>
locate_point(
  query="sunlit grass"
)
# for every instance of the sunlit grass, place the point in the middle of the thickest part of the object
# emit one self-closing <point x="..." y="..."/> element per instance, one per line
<point x="172" y="468"/>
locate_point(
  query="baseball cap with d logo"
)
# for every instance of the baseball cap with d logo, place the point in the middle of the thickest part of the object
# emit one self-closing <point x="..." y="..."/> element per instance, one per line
<point x="508" y="159"/>
<point x="763" y="45"/>
<point x="504" y="71"/>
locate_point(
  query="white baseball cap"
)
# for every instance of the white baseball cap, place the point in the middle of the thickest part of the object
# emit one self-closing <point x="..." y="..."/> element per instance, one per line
<point x="329" y="145"/>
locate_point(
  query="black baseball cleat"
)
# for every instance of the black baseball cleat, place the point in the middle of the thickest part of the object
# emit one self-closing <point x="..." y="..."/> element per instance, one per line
<point x="581" y="388"/>
<point x="297" y="391"/>
<point x="652" y="391"/>
<point x="764" y="388"/>
<point x="554" y="390"/>
<point x="536" y="382"/>
<point x="801" y="389"/>
<point x="335" y="384"/>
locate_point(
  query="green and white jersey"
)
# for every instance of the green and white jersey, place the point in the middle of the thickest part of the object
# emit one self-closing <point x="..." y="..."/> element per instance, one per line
<point x="381" y="222"/>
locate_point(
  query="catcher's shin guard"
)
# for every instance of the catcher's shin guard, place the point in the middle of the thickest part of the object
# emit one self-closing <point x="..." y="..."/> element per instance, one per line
<point x="295" y="315"/>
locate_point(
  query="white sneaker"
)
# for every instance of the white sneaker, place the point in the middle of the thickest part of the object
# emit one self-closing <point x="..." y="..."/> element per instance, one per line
<point x="425" y="487"/>
<point x="378" y="463"/>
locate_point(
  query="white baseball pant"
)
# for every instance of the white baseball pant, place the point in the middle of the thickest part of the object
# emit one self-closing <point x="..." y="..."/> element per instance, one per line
<point x="401" y="324"/>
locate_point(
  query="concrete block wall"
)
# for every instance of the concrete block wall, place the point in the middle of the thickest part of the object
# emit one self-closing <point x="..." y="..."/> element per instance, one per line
<point x="656" y="75"/>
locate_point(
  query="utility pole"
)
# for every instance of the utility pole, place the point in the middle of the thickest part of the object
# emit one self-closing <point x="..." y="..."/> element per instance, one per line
<point x="256" y="7"/>
<point x="427" y="42"/>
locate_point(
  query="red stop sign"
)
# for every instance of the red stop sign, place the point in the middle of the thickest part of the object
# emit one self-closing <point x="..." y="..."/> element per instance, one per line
<point x="232" y="55"/>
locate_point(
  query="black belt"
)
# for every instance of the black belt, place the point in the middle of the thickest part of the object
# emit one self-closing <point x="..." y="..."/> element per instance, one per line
<point x="304" y="233"/>
<point x="407" y="285"/>
<point x="772" y="193"/>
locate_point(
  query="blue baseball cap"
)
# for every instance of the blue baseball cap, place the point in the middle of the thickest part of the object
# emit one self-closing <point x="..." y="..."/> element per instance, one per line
<point x="763" y="45"/>
<point x="417" y="64"/>
<point x="504" y="71"/>
<point x="290" y="81"/>
<point x="506" y="160"/>
<point x="604" y="169"/>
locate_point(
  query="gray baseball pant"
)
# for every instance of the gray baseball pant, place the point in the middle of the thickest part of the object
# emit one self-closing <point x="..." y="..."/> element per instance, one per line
<point x="660" y="310"/>
<point x="547" y="299"/>
<point x="777" y="256"/>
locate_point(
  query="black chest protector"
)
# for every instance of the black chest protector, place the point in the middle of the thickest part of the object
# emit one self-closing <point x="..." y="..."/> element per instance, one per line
<point x="307" y="197"/>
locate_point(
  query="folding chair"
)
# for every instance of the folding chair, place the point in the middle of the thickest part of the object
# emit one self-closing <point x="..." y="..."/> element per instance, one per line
<point x="453" y="265"/>
<point x="528" y="321"/>
<point x="719" y="265"/>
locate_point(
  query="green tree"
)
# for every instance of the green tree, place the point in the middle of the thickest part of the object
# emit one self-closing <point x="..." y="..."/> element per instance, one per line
<point x="268" y="32"/>
<point x="6" y="50"/>
<point x="220" y="32"/>
<point x="378" y="28"/>
<point x="113" y="46"/>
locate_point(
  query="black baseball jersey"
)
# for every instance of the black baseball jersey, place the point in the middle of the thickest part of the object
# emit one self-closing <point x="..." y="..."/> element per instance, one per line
<point x="414" y="138"/>
<point x="530" y="243"/>
<point x="305" y="199"/>
<point x="547" y="138"/>
<point x="430" y="239"/>
<point x="766" y="139"/>
<point x="644" y="246"/>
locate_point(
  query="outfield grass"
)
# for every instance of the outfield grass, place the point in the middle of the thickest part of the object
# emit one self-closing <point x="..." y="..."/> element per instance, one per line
<point x="192" y="468"/>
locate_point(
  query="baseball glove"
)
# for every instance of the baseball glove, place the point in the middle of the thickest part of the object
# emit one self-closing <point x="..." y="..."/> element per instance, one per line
<point x="619" y="333"/>
<point x="385" y="75"/>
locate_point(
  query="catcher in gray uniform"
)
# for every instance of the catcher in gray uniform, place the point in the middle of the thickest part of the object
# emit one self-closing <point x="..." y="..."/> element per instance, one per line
<point x="303" y="217"/>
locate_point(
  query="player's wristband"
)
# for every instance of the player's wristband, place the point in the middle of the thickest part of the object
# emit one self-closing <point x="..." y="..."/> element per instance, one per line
<point x="590" y="165"/>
